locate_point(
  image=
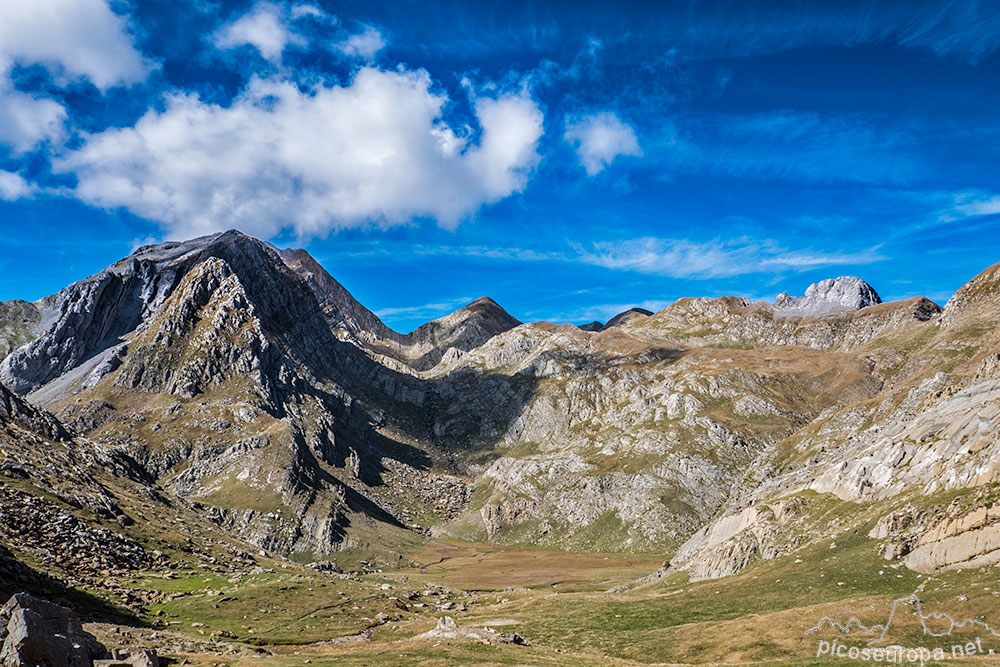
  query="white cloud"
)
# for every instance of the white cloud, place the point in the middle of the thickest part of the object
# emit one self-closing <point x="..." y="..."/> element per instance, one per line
<point x="301" y="11"/>
<point x="72" y="38"/>
<point x="599" y="138"/>
<point x="364" y="44"/>
<point x="674" y="258"/>
<point x="970" y="206"/>
<point x="13" y="186"/>
<point x="263" y="27"/>
<point x="372" y="152"/>
<point x="26" y="121"/>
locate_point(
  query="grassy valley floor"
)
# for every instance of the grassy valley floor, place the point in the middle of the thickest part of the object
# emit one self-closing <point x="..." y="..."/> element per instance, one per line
<point x="562" y="604"/>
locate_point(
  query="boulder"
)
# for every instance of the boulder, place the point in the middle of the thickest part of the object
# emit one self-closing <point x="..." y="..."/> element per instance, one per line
<point x="39" y="632"/>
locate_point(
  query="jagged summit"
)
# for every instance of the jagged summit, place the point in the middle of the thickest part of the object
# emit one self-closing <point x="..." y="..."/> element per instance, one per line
<point x="832" y="295"/>
<point x="465" y="329"/>
<point x="82" y="324"/>
<point x="484" y="309"/>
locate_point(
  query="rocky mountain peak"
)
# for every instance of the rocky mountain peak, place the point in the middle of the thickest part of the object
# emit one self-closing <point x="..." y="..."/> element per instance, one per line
<point x="843" y="294"/>
<point x="465" y="329"/>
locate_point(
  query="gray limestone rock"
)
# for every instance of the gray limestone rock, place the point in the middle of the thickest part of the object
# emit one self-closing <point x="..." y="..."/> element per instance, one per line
<point x="832" y="295"/>
<point x="39" y="632"/>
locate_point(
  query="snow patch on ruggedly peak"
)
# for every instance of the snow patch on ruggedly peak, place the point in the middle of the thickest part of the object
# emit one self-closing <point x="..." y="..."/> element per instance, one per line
<point x="833" y="295"/>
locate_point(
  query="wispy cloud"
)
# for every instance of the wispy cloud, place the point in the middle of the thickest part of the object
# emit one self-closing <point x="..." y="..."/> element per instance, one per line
<point x="969" y="204"/>
<point x="716" y="259"/>
<point x="427" y="310"/>
<point x="963" y="28"/>
<point x="676" y="258"/>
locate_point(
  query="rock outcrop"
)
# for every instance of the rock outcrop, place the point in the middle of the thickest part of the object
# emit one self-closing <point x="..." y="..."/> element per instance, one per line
<point x="972" y="540"/>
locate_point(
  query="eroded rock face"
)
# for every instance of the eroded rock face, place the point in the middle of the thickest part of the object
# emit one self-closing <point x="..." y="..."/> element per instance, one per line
<point x="980" y="293"/>
<point x="968" y="541"/>
<point x="832" y="295"/>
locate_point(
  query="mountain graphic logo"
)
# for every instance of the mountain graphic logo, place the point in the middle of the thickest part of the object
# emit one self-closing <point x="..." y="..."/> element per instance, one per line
<point x="935" y="624"/>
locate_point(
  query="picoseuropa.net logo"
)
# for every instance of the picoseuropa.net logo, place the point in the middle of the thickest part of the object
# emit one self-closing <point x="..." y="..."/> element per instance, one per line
<point x="952" y="638"/>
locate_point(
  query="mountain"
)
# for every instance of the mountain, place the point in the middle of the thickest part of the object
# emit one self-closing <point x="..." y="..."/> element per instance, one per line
<point x="211" y="363"/>
<point x="247" y="383"/>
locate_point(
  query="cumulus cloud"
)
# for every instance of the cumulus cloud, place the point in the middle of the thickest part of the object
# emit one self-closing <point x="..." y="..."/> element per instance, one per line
<point x="26" y="121"/>
<point x="375" y="151"/>
<point x="599" y="138"/>
<point x="364" y="44"/>
<point x="263" y="28"/>
<point x="72" y="38"/>
<point x="312" y="11"/>
<point x="13" y="186"/>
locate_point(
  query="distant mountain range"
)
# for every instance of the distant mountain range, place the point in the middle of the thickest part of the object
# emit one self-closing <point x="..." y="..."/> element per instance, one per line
<point x="241" y="387"/>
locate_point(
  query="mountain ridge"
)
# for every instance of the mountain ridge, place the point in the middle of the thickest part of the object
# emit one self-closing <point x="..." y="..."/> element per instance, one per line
<point x="247" y="379"/>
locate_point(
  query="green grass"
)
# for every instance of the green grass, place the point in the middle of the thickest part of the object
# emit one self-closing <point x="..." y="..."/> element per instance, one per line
<point x="278" y="608"/>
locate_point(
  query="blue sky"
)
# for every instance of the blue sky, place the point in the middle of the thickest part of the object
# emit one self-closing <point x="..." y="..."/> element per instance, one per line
<point x="570" y="160"/>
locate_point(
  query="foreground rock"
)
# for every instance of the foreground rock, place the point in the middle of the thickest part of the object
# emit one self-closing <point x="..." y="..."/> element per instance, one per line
<point x="448" y="630"/>
<point x="38" y="632"/>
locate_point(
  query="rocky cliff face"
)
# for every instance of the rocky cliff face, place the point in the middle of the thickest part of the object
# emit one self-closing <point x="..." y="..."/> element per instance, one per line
<point x="248" y="381"/>
<point x="211" y="363"/>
